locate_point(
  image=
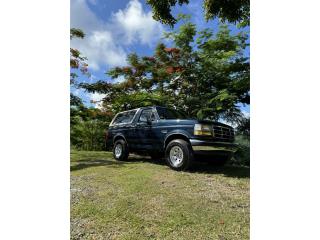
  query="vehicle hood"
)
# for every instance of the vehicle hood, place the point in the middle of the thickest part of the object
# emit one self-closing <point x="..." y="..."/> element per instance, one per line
<point x="213" y="122"/>
<point x="189" y="122"/>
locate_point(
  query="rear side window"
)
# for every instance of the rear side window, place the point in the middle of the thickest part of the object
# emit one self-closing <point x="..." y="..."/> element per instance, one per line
<point x="125" y="117"/>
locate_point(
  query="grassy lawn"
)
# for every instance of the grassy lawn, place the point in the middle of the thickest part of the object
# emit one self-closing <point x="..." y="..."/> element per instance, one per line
<point x="142" y="199"/>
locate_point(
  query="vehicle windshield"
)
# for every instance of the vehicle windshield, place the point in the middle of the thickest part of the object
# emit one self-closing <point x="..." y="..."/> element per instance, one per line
<point x="166" y="113"/>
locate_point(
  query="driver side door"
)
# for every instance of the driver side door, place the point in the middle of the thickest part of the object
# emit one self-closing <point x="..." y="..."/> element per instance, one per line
<point x="144" y="129"/>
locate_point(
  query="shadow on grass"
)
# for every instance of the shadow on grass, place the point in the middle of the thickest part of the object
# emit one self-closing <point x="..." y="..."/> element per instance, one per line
<point x="86" y="163"/>
<point x="228" y="171"/>
<point x="198" y="167"/>
<point x="136" y="158"/>
<point x="202" y="167"/>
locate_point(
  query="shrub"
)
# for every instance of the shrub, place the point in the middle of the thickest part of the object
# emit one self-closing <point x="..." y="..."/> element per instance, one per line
<point x="88" y="135"/>
<point x="242" y="155"/>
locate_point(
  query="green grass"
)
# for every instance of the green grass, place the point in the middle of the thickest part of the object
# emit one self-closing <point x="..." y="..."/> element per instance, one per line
<point x="142" y="199"/>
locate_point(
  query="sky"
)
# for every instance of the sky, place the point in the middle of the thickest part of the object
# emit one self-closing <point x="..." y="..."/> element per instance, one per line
<point x="116" y="28"/>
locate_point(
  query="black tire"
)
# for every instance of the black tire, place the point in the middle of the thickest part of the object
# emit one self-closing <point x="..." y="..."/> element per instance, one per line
<point x="187" y="156"/>
<point x="124" y="152"/>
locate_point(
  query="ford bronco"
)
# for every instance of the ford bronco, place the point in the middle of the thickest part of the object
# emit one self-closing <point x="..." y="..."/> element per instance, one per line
<point x="160" y="131"/>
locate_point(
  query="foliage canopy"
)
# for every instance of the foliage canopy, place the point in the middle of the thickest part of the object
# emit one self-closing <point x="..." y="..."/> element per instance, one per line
<point x="204" y="74"/>
<point x="227" y="10"/>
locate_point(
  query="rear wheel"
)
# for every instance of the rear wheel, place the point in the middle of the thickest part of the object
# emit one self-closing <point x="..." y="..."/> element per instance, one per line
<point x="179" y="155"/>
<point x="120" y="150"/>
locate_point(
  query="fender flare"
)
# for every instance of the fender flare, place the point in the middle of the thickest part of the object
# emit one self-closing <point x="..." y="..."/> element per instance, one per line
<point x="177" y="132"/>
<point x="119" y="135"/>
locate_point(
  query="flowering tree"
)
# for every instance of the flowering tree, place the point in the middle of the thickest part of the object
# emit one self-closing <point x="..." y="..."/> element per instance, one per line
<point x="77" y="61"/>
<point x="204" y="74"/>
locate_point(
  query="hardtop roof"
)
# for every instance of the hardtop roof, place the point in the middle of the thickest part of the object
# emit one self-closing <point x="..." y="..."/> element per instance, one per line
<point x="142" y="108"/>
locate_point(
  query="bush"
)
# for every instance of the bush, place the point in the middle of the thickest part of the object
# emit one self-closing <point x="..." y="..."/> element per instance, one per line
<point x="88" y="135"/>
<point x="242" y="156"/>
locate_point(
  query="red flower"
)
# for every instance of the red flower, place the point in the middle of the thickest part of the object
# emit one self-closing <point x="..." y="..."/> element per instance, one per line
<point x="150" y="59"/>
<point x="178" y="69"/>
<point x="175" y="50"/>
<point x="127" y="69"/>
<point x="170" y="69"/>
<point x="172" y="50"/>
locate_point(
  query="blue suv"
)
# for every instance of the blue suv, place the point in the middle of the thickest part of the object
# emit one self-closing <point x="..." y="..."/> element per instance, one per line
<point x="159" y="131"/>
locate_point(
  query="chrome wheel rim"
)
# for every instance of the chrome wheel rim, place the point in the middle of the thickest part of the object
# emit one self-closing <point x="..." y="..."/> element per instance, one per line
<point x="176" y="156"/>
<point x="118" y="150"/>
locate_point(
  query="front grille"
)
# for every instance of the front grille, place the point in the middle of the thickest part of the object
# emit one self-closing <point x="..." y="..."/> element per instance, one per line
<point x="224" y="134"/>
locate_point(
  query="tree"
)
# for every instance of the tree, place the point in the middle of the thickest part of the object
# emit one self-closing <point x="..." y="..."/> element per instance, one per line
<point x="87" y="126"/>
<point x="76" y="32"/>
<point x="227" y="10"/>
<point x="77" y="64"/>
<point x="77" y="61"/>
<point x="207" y="76"/>
<point x="243" y="128"/>
<point x="88" y="135"/>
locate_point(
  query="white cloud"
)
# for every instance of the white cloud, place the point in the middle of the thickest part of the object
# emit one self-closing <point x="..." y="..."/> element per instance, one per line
<point x="82" y="17"/>
<point x="98" y="45"/>
<point x="79" y="92"/>
<point x="96" y="99"/>
<point x="246" y="113"/>
<point x="138" y="25"/>
<point x="118" y="79"/>
<point x="105" y="42"/>
<point x="100" y="49"/>
<point x="92" y="78"/>
<point x="96" y="96"/>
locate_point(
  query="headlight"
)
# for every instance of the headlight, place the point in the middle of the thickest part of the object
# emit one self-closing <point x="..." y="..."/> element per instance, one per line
<point x="202" y="129"/>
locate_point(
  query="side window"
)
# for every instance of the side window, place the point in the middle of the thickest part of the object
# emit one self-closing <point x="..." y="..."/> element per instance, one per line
<point x="153" y="117"/>
<point x="130" y="115"/>
<point x="147" y="114"/>
<point x="125" y="117"/>
<point x="161" y="113"/>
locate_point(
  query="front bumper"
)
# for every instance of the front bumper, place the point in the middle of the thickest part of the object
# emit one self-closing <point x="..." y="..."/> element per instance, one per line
<point x="209" y="147"/>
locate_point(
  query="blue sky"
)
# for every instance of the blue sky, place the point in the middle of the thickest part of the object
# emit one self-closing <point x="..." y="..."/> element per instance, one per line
<point x="115" y="28"/>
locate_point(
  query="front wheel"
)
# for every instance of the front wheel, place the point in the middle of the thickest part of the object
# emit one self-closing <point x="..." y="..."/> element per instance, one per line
<point x="179" y="155"/>
<point x="120" y="150"/>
